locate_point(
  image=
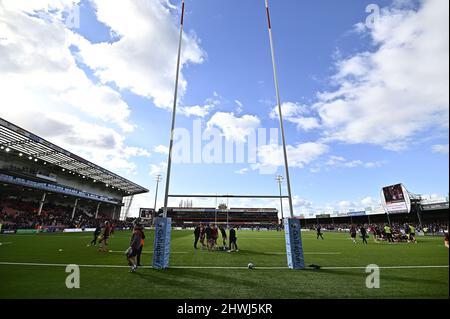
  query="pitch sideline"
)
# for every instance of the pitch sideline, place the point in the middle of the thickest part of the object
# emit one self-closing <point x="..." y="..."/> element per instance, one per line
<point x="220" y="267"/>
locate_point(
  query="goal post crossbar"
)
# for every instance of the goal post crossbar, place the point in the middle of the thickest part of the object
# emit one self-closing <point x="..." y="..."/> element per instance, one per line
<point x="227" y="196"/>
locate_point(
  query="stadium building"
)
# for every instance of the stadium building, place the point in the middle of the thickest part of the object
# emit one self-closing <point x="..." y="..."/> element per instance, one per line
<point x="39" y="178"/>
<point x="242" y="217"/>
<point x="425" y="212"/>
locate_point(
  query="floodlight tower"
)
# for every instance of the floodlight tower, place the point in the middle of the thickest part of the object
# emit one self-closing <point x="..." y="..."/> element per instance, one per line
<point x="158" y="179"/>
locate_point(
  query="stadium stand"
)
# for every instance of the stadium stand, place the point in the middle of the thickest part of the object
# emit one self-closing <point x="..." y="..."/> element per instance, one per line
<point x="45" y="186"/>
<point x="242" y="217"/>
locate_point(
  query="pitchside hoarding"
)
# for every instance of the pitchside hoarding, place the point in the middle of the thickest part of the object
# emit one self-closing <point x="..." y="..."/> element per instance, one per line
<point x="395" y="199"/>
<point x="161" y="248"/>
<point x="294" y="248"/>
<point x="358" y="213"/>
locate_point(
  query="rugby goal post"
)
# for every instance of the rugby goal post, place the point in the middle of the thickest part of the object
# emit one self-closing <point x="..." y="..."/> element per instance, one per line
<point x="292" y="226"/>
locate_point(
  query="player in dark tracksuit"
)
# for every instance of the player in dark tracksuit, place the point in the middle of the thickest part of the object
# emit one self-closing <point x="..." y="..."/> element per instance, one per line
<point x="233" y="240"/>
<point x="97" y="232"/>
<point x="196" y="236"/>
<point x="224" y="237"/>
<point x="208" y="233"/>
<point x="319" y="232"/>
<point x="202" y="235"/>
<point x="363" y="234"/>
<point x="353" y="233"/>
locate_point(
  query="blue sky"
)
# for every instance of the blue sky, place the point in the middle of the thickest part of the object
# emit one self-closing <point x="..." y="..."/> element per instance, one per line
<point x="376" y="115"/>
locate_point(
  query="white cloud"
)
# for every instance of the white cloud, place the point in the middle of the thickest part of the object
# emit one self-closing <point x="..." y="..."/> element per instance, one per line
<point x="305" y="123"/>
<point x="240" y="106"/>
<point x="39" y="5"/>
<point x="374" y="164"/>
<point x="370" y="201"/>
<point x="296" y="113"/>
<point x="345" y="204"/>
<point x="440" y="148"/>
<point x="300" y="202"/>
<point x="143" y="59"/>
<point x="99" y="144"/>
<point x="242" y="171"/>
<point x="100" y="102"/>
<point x="156" y="169"/>
<point x="136" y="151"/>
<point x="289" y="109"/>
<point x="233" y="127"/>
<point x="196" y="110"/>
<point x="271" y="155"/>
<point x="161" y="149"/>
<point x="339" y="161"/>
<point x="44" y="91"/>
<point x="391" y="95"/>
<point x="201" y="110"/>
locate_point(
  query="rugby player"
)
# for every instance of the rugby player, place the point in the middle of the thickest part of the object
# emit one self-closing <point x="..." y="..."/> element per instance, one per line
<point x="133" y="250"/>
<point x="233" y="240"/>
<point x="353" y="233"/>
<point x="363" y="234"/>
<point x="97" y="232"/>
<point x="106" y="232"/>
<point x="319" y="232"/>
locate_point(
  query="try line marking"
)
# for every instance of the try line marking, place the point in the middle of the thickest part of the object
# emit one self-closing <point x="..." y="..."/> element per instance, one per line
<point x="213" y="267"/>
<point x="6" y="243"/>
<point x="305" y="253"/>
<point x="149" y="252"/>
<point x="268" y="253"/>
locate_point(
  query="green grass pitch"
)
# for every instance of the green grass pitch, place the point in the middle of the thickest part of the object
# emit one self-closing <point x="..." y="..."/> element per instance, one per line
<point x="203" y="274"/>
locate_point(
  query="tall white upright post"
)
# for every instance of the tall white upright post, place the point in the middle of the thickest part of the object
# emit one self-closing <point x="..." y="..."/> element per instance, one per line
<point x="74" y="208"/>
<point x="41" y="203"/>
<point x="161" y="244"/>
<point x="280" y="113"/>
<point x="157" y="179"/>
<point x="174" y="110"/>
<point x="127" y="208"/>
<point x="280" y="180"/>
<point x="294" y="248"/>
<point x="96" y="210"/>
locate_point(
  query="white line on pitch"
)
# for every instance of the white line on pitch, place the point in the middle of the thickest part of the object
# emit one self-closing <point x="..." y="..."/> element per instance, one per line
<point x="151" y="252"/>
<point x="306" y="253"/>
<point x="6" y="243"/>
<point x="388" y="267"/>
<point x="218" y="267"/>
